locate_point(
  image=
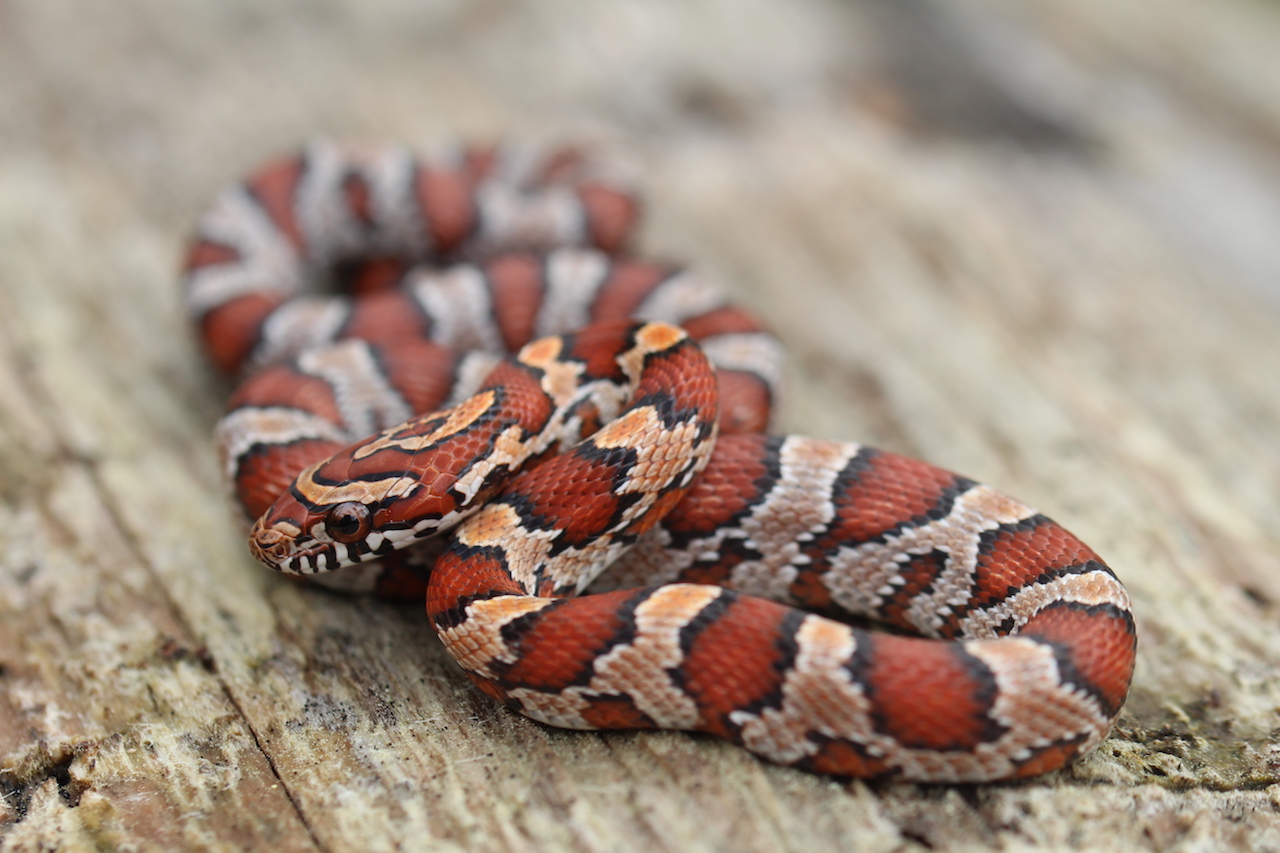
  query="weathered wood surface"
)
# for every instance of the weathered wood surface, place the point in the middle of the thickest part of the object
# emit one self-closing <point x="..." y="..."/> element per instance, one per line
<point x="1036" y="242"/>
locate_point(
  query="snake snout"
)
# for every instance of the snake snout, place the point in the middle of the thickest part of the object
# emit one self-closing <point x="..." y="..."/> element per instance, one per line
<point x="270" y="545"/>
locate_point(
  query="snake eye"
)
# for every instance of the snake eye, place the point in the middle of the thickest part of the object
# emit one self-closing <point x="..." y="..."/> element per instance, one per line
<point x="347" y="522"/>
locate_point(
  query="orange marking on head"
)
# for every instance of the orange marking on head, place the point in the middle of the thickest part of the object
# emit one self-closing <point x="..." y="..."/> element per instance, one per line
<point x="409" y="437"/>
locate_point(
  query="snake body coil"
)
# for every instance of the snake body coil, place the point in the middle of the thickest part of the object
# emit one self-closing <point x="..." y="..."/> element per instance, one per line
<point x="377" y="417"/>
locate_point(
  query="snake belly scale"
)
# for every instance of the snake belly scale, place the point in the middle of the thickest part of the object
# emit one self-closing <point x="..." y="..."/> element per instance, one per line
<point x="453" y="380"/>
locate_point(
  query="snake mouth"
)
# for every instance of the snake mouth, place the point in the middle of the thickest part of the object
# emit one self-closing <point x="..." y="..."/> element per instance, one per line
<point x="269" y="545"/>
<point x="284" y="548"/>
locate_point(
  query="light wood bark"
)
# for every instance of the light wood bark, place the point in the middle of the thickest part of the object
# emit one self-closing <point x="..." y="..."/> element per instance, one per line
<point x="1034" y="242"/>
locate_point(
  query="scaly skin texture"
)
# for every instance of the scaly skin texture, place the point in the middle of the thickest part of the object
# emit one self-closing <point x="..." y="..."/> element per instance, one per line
<point x="600" y="443"/>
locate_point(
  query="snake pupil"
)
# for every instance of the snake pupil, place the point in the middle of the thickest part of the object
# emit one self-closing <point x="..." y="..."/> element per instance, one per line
<point x="348" y="522"/>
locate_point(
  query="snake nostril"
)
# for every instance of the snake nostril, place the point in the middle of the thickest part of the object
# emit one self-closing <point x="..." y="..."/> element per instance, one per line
<point x="268" y="544"/>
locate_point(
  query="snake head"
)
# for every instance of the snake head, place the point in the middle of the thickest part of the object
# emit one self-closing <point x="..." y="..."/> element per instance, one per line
<point x="329" y="519"/>
<point x="298" y="539"/>
<point x="320" y="541"/>
<point x="404" y="484"/>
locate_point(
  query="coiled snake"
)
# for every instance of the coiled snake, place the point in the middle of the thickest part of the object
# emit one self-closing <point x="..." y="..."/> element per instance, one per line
<point x="384" y="413"/>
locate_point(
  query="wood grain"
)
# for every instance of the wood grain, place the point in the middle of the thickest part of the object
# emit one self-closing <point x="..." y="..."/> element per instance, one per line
<point x="1033" y="242"/>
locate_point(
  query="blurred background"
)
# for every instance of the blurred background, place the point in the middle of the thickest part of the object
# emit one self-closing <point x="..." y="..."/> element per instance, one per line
<point x="1175" y="111"/>
<point x="1034" y="241"/>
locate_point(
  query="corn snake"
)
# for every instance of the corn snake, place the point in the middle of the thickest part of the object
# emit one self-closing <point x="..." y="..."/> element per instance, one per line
<point x="347" y="449"/>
